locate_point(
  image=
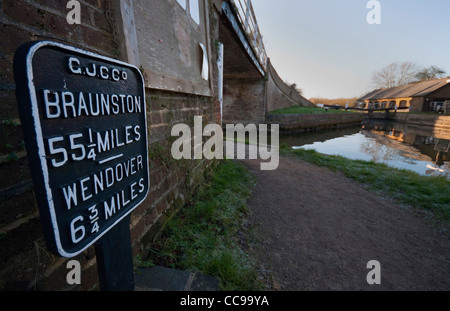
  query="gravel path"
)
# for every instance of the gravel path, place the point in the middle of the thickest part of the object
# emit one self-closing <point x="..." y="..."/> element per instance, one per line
<point x="317" y="230"/>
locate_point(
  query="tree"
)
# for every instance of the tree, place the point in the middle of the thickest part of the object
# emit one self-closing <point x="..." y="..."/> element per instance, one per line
<point x="395" y="74"/>
<point x="294" y="87"/>
<point x="430" y="73"/>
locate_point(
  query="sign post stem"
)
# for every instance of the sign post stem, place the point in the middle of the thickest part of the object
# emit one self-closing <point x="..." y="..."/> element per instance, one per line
<point x="115" y="258"/>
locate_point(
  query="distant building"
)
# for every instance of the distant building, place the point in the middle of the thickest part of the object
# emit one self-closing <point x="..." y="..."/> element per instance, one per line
<point x="425" y="96"/>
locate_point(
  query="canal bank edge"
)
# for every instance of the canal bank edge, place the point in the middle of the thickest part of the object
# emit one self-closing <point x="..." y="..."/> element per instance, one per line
<point x="435" y="121"/>
<point x="306" y="122"/>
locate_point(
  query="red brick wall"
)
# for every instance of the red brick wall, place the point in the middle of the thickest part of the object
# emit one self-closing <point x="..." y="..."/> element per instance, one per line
<point x="25" y="262"/>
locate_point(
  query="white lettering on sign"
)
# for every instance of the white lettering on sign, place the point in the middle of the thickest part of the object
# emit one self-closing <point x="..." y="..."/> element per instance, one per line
<point x="78" y="147"/>
<point x="77" y="231"/>
<point x="109" y="140"/>
<point x="122" y="198"/>
<point x="94" y="217"/>
<point x="73" y="105"/>
<point x="83" y="189"/>
<point x="95" y="70"/>
<point x="119" y="200"/>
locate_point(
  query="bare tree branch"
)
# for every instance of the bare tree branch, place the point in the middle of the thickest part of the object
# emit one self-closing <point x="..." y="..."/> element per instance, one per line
<point x="430" y="73"/>
<point x="395" y="74"/>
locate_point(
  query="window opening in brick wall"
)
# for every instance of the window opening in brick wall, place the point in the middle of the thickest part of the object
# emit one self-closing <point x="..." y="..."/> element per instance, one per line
<point x="192" y="7"/>
<point x="195" y="10"/>
<point x="182" y="3"/>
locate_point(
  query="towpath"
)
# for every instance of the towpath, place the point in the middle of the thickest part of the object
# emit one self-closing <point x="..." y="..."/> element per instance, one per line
<point x="317" y="230"/>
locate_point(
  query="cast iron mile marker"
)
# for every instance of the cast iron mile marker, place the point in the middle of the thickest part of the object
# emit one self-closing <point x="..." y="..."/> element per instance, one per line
<point x="84" y="122"/>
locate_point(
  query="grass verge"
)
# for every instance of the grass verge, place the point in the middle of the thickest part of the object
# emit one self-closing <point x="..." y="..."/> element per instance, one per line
<point x="207" y="236"/>
<point x="431" y="193"/>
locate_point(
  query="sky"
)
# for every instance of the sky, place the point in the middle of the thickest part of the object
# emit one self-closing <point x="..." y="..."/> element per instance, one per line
<point x="329" y="50"/>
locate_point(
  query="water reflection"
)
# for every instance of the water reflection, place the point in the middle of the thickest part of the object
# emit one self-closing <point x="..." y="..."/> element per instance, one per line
<point x="422" y="150"/>
<point x="378" y="151"/>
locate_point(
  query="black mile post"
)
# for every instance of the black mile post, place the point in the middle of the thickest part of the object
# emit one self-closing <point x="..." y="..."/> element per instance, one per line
<point x="71" y="151"/>
<point x="115" y="259"/>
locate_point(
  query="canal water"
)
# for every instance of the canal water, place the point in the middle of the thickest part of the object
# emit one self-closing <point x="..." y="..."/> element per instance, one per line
<point x="422" y="150"/>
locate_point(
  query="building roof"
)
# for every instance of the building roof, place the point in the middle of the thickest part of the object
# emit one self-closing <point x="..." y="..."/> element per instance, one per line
<point x="417" y="89"/>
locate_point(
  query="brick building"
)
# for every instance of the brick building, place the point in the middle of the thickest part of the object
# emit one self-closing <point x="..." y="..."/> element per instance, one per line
<point x="422" y="96"/>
